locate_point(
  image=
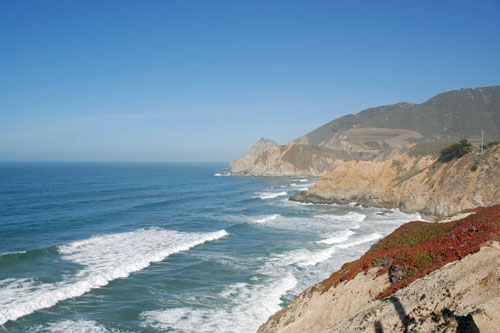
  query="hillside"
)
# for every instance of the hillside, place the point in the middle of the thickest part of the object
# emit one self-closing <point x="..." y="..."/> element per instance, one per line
<point x="413" y="182"/>
<point x="449" y="116"/>
<point x="380" y="133"/>
<point x="423" y="277"/>
<point x="267" y="158"/>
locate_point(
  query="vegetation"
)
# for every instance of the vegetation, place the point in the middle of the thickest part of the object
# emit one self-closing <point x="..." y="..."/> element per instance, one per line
<point x="456" y="150"/>
<point x="418" y="248"/>
<point x="474" y="166"/>
<point x="491" y="144"/>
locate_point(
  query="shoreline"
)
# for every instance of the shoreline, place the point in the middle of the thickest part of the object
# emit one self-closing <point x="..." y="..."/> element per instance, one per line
<point x="306" y="198"/>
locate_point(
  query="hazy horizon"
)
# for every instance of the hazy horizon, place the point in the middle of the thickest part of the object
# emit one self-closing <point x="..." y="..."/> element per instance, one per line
<point x="165" y="81"/>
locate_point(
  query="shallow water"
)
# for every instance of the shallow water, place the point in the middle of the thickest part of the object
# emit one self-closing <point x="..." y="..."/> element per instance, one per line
<point x="142" y="247"/>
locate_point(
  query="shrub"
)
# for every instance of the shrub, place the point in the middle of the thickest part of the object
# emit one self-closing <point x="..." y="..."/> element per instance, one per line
<point x="491" y="144"/>
<point x="456" y="150"/>
<point x="474" y="167"/>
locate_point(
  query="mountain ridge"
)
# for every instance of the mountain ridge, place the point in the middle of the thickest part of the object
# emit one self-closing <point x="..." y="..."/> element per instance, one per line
<point x="379" y="133"/>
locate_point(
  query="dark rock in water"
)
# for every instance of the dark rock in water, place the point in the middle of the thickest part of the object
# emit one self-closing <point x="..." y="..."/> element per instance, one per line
<point x="306" y="197"/>
<point x="396" y="273"/>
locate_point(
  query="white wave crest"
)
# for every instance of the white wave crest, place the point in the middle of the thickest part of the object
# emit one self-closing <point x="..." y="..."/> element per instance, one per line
<point x="306" y="186"/>
<point x="104" y="258"/>
<point x="71" y="326"/>
<point x="304" y="258"/>
<point x="219" y="174"/>
<point x="361" y="240"/>
<point x="271" y="195"/>
<point x="242" y="308"/>
<point x="9" y="253"/>
<point x="337" y="238"/>
<point x="267" y="218"/>
<point x="349" y="217"/>
<point x="314" y="258"/>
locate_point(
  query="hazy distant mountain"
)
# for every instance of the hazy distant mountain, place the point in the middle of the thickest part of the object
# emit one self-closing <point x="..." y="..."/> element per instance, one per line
<point x="381" y="132"/>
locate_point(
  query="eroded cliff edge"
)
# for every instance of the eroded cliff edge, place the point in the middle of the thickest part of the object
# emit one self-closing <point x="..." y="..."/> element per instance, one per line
<point x="413" y="182"/>
<point x="440" y="277"/>
<point x="267" y="158"/>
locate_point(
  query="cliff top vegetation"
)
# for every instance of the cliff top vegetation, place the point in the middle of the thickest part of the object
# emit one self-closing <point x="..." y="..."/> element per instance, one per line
<point x="417" y="248"/>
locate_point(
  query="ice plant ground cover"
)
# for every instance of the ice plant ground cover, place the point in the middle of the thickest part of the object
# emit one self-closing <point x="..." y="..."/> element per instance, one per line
<point x="417" y="248"/>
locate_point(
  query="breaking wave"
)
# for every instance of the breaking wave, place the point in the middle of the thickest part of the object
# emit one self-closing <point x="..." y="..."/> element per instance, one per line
<point x="104" y="259"/>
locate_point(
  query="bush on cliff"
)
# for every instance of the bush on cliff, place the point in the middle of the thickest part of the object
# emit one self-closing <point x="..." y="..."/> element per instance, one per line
<point x="491" y="144"/>
<point x="456" y="150"/>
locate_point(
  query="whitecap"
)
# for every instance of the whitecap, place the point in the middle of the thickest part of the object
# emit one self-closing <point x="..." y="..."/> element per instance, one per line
<point x="314" y="258"/>
<point x="242" y="307"/>
<point x="337" y="238"/>
<point x="349" y="217"/>
<point x="10" y="253"/>
<point x="267" y="218"/>
<point x="361" y="240"/>
<point x="103" y="259"/>
<point x="271" y="195"/>
<point x="306" y="186"/>
<point x="71" y="326"/>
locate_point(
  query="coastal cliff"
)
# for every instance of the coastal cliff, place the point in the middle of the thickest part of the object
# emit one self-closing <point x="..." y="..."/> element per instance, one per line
<point x="379" y="134"/>
<point x="413" y="183"/>
<point x="423" y="277"/>
<point x="267" y="158"/>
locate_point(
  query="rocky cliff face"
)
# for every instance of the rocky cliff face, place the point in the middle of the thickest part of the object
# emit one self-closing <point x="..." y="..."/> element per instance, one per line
<point x="413" y="183"/>
<point x="267" y="158"/>
<point x="424" y="277"/>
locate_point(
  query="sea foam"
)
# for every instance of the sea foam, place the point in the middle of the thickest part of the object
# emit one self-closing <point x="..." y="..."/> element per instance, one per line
<point x="267" y="218"/>
<point x="361" y="240"/>
<point x="271" y="195"/>
<point x="104" y="258"/>
<point x="337" y="238"/>
<point x="242" y="308"/>
<point x="71" y="326"/>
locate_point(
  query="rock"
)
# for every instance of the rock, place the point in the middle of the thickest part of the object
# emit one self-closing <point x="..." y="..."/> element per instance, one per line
<point x="412" y="184"/>
<point x="396" y="273"/>
<point x="267" y="158"/>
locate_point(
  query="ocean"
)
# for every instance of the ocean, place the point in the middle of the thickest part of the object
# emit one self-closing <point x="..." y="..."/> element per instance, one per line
<point x="172" y="247"/>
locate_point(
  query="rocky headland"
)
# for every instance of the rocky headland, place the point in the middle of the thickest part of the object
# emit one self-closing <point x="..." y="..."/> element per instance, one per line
<point x="267" y="158"/>
<point x="413" y="183"/>
<point x="423" y="277"/>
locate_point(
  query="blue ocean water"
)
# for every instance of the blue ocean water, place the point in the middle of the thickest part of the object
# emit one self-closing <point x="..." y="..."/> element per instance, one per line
<point x="147" y="247"/>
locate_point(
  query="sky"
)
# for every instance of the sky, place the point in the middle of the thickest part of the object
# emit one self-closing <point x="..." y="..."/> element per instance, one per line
<point x="204" y="80"/>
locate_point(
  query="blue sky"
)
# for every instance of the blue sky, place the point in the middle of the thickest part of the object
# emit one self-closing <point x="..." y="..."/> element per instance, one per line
<point x="204" y="80"/>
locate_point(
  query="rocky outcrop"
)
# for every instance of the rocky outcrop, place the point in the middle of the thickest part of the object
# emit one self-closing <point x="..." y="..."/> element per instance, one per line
<point x="413" y="183"/>
<point x="267" y="158"/>
<point x="448" y="282"/>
